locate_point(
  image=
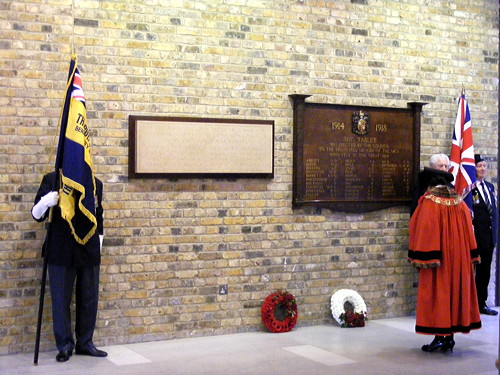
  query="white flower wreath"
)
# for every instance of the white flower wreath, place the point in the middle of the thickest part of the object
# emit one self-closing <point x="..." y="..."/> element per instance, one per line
<point x="340" y="297"/>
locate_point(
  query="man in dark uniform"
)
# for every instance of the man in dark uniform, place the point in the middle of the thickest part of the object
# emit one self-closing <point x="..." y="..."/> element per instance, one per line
<point x="485" y="223"/>
<point x="69" y="261"/>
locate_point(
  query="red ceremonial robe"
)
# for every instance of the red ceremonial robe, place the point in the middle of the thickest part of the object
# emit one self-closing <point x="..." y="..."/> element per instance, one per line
<point x="443" y="247"/>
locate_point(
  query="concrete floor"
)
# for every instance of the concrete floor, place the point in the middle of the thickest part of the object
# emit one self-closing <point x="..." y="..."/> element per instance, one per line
<point x="387" y="346"/>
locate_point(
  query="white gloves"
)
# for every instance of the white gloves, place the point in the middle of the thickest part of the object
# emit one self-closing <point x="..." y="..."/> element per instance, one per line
<point x="47" y="201"/>
<point x="101" y="238"/>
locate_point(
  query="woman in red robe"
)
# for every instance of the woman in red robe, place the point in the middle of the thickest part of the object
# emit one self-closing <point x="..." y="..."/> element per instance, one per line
<point x="443" y="248"/>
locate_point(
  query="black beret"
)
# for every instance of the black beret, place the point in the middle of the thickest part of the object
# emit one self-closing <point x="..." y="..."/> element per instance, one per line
<point x="478" y="158"/>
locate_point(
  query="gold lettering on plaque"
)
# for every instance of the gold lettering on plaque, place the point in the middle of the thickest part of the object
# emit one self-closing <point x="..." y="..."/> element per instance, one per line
<point x="338" y="125"/>
<point x="381" y="128"/>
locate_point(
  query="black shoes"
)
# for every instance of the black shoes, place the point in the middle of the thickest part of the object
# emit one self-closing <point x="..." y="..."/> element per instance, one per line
<point x="91" y="350"/>
<point x="440" y="343"/>
<point x="63" y="356"/>
<point x="487" y="311"/>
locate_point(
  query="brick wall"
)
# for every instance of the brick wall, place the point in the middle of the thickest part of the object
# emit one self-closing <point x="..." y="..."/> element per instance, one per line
<point x="170" y="244"/>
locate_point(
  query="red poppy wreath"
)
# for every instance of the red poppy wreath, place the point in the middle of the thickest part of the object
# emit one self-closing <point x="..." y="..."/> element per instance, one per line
<point x="279" y="311"/>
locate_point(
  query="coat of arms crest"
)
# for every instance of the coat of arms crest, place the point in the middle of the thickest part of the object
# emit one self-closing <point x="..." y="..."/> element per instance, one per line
<point x="360" y="123"/>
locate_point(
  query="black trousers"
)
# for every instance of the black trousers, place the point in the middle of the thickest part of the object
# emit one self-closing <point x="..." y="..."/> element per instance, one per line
<point x="62" y="279"/>
<point x="483" y="271"/>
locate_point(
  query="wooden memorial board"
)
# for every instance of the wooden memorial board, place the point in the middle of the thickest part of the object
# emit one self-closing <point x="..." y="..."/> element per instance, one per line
<point x="197" y="147"/>
<point x="354" y="158"/>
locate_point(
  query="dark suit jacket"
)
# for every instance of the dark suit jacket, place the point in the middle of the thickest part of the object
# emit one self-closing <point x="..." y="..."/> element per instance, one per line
<point x="61" y="247"/>
<point x="485" y="225"/>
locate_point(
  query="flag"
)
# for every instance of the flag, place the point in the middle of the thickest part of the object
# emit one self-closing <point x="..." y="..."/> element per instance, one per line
<point x="73" y="162"/>
<point x="462" y="164"/>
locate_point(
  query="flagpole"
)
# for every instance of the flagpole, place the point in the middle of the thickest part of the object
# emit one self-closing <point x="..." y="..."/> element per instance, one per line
<point x="42" y="291"/>
<point x="45" y="250"/>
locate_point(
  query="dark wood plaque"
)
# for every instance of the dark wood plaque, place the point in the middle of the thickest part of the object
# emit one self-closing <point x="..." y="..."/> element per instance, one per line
<point x="354" y="158"/>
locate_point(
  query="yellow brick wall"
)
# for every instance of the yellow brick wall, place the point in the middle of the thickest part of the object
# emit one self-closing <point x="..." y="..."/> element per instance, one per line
<point x="169" y="244"/>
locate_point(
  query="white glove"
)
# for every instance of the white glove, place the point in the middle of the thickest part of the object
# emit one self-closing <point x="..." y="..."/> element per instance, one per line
<point x="48" y="200"/>
<point x="101" y="238"/>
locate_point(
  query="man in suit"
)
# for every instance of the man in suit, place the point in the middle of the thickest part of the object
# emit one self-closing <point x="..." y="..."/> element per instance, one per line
<point x="485" y="223"/>
<point x="69" y="261"/>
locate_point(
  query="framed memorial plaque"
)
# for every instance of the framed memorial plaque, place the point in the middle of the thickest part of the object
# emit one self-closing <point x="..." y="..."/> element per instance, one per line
<point x="200" y="147"/>
<point x="354" y="158"/>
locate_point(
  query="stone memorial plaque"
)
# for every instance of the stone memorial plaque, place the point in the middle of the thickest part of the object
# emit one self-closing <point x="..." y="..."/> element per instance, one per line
<point x="195" y="147"/>
<point x="353" y="158"/>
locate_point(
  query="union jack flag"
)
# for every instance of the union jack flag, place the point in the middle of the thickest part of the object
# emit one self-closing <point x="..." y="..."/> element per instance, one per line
<point x="462" y="164"/>
<point x="77" y="92"/>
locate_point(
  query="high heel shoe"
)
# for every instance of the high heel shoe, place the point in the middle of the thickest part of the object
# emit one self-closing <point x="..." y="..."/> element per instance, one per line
<point x="440" y="343"/>
<point x="450" y="343"/>
<point x="437" y="343"/>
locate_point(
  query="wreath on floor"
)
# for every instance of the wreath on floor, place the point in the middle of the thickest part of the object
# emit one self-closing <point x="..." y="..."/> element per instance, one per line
<point x="279" y="311"/>
<point x="348" y="308"/>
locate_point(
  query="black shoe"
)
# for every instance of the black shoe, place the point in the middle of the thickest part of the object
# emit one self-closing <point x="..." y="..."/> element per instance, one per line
<point x="91" y="350"/>
<point x="63" y="356"/>
<point x="487" y="311"/>
<point x="440" y="343"/>
<point x="449" y="343"/>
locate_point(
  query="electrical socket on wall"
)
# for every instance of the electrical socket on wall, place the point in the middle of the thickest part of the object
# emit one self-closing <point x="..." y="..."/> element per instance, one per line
<point x="223" y="289"/>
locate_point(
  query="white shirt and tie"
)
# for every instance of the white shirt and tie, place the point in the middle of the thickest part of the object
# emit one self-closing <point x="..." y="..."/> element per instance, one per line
<point x="485" y="193"/>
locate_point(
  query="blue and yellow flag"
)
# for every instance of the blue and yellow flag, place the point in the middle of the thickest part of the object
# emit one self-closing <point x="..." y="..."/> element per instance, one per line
<point x="74" y="163"/>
